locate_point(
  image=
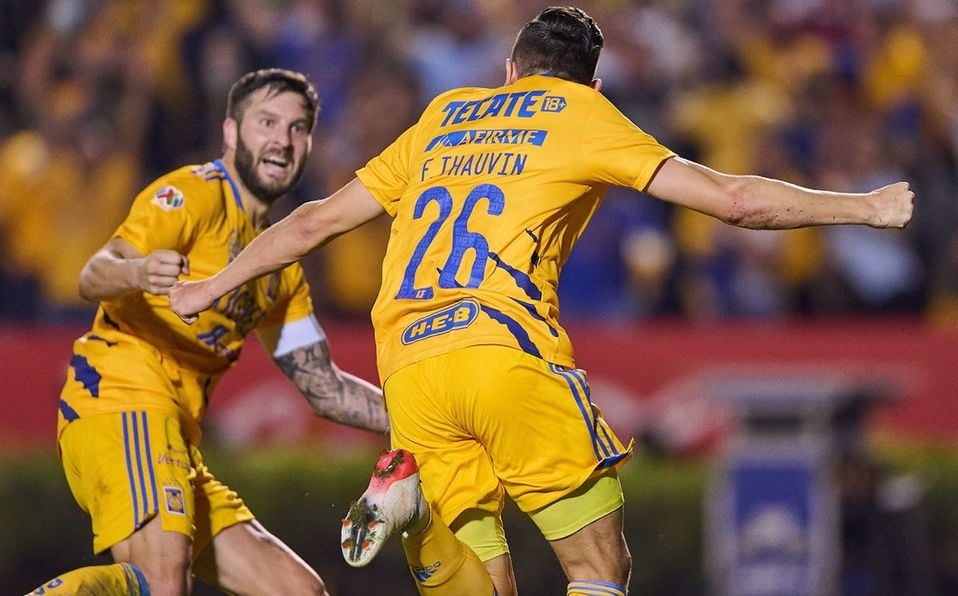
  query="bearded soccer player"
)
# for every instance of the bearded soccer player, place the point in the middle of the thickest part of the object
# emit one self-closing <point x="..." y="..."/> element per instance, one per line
<point x="139" y="381"/>
<point x="489" y="192"/>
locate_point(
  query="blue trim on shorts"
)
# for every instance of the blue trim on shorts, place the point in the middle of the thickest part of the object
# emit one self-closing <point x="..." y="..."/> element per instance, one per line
<point x="149" y="461"/>
<point x="580" y="392"/>
<point x="139" y="467"/>
<point x="129" y="469"/>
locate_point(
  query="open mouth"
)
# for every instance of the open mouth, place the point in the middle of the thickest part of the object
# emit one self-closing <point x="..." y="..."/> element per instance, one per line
<point x="276" y="164"/>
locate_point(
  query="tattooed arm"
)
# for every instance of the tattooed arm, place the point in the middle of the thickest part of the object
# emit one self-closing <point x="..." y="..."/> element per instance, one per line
<point x="332" y="393"/>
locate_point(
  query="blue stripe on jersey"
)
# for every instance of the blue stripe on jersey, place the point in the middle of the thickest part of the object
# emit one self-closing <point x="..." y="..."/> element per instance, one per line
<point x="129" y="469"/>
<point x="535" y="314"/>
<point x="236" y="194"/>
<point x="93" y="337"/>
<point x="525" y="342"/>
<point x="86" y="374"/>
<point x="149" y="461"/>
<point x="580" y="392"/>
<point x="69" y="414"/>
<point x="535" y="254"/>
<point x="523" y="281"/>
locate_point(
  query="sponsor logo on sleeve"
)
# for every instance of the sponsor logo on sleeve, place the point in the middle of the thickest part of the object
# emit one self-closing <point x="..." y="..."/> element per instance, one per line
<point x="168" y="198"/>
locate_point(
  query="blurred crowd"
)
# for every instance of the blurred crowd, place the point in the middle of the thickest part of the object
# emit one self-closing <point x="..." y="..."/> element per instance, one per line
<point x="99" y="97"/>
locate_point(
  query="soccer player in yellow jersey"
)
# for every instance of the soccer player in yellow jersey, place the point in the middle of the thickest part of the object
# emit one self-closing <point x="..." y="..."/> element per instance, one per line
<point x="489" y="191"/>
<point x="139" y="381"/>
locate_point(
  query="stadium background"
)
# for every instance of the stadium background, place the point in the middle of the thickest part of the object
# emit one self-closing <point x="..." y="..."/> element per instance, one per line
<point x="98" y="97"/>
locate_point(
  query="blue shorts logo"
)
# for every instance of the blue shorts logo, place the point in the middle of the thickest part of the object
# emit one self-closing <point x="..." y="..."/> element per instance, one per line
<point x="449" y="319"/>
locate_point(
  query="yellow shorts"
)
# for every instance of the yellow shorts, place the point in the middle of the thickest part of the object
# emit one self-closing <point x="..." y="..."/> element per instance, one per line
<point x="486" y="421"/>
<point x="126" y="468"/>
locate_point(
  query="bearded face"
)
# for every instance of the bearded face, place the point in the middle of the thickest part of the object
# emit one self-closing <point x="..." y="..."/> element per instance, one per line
<point x="267" y="188"/>
<point x="273" y="139"/>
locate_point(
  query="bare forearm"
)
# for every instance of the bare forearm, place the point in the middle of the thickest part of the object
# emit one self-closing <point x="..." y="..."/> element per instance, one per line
<point x="107" y="276"/>
<point x="281" y="244"/>
<point x="764" y="203"/>
<point x="334" y="394"/>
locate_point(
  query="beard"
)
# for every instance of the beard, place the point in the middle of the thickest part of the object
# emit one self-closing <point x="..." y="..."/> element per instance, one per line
<point x="246" y="168"/>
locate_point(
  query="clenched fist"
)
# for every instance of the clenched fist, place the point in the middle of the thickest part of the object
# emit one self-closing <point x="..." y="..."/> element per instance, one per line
<point x="893" y="205"/>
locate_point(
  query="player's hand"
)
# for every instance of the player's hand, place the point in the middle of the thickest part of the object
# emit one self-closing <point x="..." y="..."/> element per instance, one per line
<point x="894" y="204"/>
<point x="160" y="270"/>
<point x="188" y="299"/>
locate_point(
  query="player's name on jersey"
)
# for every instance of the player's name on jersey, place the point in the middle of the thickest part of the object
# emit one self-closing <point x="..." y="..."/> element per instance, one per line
<point x="497" y="163"/>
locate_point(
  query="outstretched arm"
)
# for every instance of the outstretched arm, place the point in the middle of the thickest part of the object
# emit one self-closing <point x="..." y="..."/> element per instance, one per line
<point x="332" y="393"/>
<point x="307" y="228"/>
<point x="764" y="203"/>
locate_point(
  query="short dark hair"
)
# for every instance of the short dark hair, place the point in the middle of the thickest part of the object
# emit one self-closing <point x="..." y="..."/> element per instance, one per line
<point x="563" y="41"/>
<point x="277" y="80"/>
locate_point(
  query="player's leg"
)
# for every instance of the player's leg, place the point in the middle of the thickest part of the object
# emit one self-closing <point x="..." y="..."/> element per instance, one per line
<point x="162" y="557"/>
<point x="247" y="559"/>
<point x="585" y="531"/>
<point x="596" y="558"/>
<point x="429" y="404"/>
<point x="556" y="457"/>
<point x="235" y="552"/>
<point x="130" y="472"/>
<point x="482" y="530"/>
<point x="394" y="503"/>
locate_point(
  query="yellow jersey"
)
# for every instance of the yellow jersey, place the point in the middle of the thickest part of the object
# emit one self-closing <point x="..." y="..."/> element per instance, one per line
<point x="138" y="354"/>
<point x="489" y="192"/>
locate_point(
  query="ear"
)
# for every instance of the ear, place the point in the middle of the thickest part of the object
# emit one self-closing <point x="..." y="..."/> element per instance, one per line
<point x="596" y="84"/>
<point x="512" y="75"/>
<point x="230" y="133"/>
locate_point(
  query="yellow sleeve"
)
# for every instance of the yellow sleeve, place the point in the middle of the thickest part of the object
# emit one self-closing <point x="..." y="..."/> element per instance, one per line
<point x="166" y="215"/>
<point x="295" y="303"/>
<point x="617" y="152"/>
<point x="386" y="176"/>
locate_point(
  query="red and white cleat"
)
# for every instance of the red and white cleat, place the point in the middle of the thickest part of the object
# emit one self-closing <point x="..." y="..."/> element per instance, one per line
<point x="392" y="503"/>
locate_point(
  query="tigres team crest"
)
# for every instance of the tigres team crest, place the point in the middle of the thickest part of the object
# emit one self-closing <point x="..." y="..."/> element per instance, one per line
<point x="175" y="503"/>
<point x="168" y="198"/>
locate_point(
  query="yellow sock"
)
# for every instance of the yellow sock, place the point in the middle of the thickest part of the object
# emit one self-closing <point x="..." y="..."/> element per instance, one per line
<point x="442" y="565"/>
<point x="119" y="579"/>
<point x="587" y="588"/>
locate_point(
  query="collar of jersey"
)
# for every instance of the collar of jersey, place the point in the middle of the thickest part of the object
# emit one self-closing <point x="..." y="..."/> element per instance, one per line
<point x="218" y="163"/>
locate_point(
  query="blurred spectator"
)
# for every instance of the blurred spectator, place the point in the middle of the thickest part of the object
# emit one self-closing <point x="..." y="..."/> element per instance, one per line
<point x="66" y="181"/>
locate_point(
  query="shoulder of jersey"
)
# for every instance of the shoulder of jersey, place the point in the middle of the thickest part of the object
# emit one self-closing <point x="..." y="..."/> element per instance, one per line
<point x="188" y="184"/>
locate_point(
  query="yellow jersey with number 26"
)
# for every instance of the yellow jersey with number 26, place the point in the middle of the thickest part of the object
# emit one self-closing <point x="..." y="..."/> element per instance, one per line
<point x="138" y="354"/>
<point x="489" y="191"/>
